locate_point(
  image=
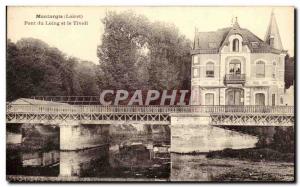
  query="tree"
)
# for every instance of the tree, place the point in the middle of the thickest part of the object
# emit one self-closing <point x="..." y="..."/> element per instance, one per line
<point x="138" y="54"/>
<point x="170" y="58"/>
<point x="13" y="66"/>
<point x="87" y="79"/>
<point x="135" y="54"/>
<point x="36" y="69"/>
<point x="284" y="139"/>
<point x="118" y="51"/>
<point x="289" y="71"/>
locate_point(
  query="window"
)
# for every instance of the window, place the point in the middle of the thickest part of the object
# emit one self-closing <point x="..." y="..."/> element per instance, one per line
<point x="196" y="72"/>
<point x="209" y="99"/>
<point x="235" y="45"/>
<point x="210" y="69"/>
<point x="255" y="44"/>
<point x="271" y="41"/>
<point x="274" y="70"/>
<point x="281" y="100"/>
<point x="260" y="69"/>
<point x="196" y="60"/>
<point x="273" y="99"/>
<point x="235" y="67"/>
<point x="260" y="99"/>
<point x="195" y="95"/>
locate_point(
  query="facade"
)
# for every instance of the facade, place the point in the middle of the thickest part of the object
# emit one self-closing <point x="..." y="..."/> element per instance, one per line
<point x="232" y="66"/>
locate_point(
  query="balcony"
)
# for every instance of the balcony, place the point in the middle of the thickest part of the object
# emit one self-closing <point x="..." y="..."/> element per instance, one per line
<point x="235" y="79"/>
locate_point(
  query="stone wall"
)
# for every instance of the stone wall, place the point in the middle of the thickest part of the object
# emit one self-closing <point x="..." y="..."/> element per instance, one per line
<point x="192" y="133"/>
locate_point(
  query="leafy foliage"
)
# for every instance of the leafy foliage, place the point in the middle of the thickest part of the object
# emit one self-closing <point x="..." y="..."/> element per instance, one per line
<point x="136" y="53"/>
<point x="284" y="139"/>
<point x="289" y="71"/>
<point x="34" y="68"/>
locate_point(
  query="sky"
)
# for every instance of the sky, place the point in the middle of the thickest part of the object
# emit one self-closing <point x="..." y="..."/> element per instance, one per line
<point x="81" y="41"/>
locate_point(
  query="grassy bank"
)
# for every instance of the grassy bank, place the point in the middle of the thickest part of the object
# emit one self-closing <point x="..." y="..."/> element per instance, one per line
<point x="253" y="154"/>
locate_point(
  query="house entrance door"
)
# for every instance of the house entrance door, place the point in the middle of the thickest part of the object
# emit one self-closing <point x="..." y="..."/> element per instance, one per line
<point x="234" y="96"/>
<point x="260" y="99"/>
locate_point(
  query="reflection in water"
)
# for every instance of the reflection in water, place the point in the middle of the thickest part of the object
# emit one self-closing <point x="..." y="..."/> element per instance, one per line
<point x="143" y="155"/>
<point x="136" y="160"/>
<point x="138" y="154"/>
<point x="84" y="162"/>
<point x="36" y="163"/>
<point x="42" y="159"/>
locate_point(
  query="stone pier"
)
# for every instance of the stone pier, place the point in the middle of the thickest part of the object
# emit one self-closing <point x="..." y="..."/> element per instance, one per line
<point x="77" y="137"/>
<point x="193" y="133"/>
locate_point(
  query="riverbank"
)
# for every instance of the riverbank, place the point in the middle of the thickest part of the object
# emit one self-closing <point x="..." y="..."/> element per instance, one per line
<point x="253" y="154"/>
<point x="11" y="148"/>
<point x="34" y="138"/>
<point x="201" y="168"/>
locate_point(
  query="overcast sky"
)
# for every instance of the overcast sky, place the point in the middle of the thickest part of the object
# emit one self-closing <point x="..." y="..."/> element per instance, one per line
<point x="82" y="41"/>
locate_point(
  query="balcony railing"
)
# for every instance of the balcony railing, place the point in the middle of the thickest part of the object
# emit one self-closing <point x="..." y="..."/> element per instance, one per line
<point x="235" y="79"/>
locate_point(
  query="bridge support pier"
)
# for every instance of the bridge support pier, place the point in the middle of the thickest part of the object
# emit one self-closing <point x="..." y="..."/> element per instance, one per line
<point x="78" y="137"/>
<point x="193" y="133"/>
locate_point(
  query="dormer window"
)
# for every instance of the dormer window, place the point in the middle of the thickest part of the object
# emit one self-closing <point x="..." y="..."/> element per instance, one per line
<point x="255" y="44"/>
<point x="235" y="45"/>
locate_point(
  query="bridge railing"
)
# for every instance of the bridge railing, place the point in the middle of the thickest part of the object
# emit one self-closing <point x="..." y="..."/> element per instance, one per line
<point x="77" y="109"/>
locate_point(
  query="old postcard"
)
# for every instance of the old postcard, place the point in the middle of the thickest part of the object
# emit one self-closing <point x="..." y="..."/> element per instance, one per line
<point x="164" y="94"/>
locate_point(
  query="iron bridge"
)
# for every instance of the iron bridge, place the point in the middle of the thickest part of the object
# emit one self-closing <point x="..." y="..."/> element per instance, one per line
<point x="64" y="113"/>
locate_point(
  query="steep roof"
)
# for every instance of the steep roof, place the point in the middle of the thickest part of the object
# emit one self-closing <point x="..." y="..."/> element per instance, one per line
<point x="206" y="40"/>
<point x="211" y="42"/>
<point x="273" y="32"/>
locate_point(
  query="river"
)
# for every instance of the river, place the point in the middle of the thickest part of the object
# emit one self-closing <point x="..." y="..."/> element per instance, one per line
<point x="138" y="157"/>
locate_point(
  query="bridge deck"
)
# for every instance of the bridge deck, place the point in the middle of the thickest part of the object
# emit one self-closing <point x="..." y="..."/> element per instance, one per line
<point x="221" y="115"/>
<point x="70" y="109"/>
